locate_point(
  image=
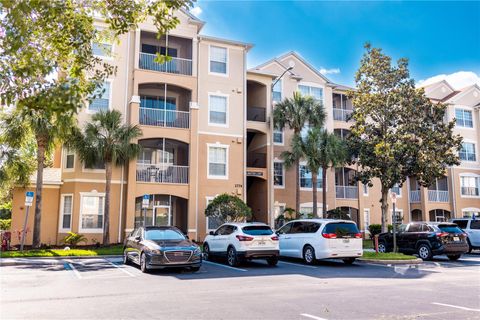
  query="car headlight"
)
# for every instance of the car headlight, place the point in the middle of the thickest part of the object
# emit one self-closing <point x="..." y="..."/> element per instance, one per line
<point x="156" y="251"/>
<point x="197" y="251"/>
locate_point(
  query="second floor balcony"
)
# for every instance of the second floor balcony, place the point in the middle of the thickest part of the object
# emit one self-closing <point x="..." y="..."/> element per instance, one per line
<point x="438" y="196"/>
<point x="257" y="160"/>
<point x="346" y="192"/>
<point x="415" y="196"/>
<point x="256" y="114"/>
<point x="341" y="114"/>
<point x="346" y="186"/>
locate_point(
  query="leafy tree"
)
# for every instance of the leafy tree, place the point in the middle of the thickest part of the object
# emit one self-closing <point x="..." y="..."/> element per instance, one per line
<point x="228" y="208"/>
<point x="296" y="113"/>
<point x="74" y="239"/>
<point x="47" y="128"/>
<point x="398" y="132"/>
<point x="108" y="141"/>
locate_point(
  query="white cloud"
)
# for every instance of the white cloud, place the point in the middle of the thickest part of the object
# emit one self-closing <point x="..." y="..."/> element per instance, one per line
<point x="196" y="11"/>
<point x="457" y="80"/>
<point x="330" y="71"/>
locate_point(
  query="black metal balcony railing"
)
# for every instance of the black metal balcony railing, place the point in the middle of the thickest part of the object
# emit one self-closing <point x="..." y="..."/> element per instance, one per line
<point x="256" y="114"/>
<point x="257" y="160"/>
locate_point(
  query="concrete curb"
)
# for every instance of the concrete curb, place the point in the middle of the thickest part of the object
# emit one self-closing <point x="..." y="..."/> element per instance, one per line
<point x="5" y="262"/>
<point x="396" y="262"/>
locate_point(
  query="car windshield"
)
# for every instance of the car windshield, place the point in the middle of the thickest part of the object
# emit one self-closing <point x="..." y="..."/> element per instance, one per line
<point x="450" y="228"/>
<point x="257" y="230"/>
<point x="163" y="234"/>
<point x="341" y="229"/>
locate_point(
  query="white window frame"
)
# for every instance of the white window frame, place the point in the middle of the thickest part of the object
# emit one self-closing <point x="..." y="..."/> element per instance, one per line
<point x="310" y="206"/>
<point x="227" y="113"/>
<point x="304" y="163"/>
<point x="314" y="85"/>
<point x="218" y="145"/>
<point x="112" y="50"/>
<point x="474" y="149"/>
<point x="277" y="206"/>
<point x="88" y="230"/>
<point x="281" y="90"/>
<point x="61" y="213"/>
<point x="85" y="169"/>
<point x="399" y="195"/>
<point x="366" y="224"/>
<point x="471" y="209"/>
<point x="469" y="175"/>
<point x="227" y="62"/>
<point x="282" y="186"/>
<point x="109" y="98"/>
<point x="208" y="199"/>
<point x="473" y="118"/>
<point x="283" y="137"/>
<point x="66" y="153"/>
<point x="367" y="188"/>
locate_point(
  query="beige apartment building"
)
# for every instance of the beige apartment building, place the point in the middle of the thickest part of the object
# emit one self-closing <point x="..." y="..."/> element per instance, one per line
<point x="207" y="129"/>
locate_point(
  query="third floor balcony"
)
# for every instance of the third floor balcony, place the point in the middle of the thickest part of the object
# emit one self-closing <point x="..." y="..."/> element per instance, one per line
<point x="342" y="107"/>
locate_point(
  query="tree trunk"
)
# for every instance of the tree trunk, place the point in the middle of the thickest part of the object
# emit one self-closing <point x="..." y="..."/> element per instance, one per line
<point x="38" y="193"/>
<point x="106" y="211"/>
<point x="297" y="188"/>
<point x="384" y="205"/>
<point x="314" y="197"/>
<point x="324" y="192"/>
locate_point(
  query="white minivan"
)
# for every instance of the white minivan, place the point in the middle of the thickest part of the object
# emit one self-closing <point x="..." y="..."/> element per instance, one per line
<point x="312" y="239"/>
<point x="472" y="228"/>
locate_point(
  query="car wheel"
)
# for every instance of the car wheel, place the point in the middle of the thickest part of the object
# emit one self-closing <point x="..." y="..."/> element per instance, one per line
<point x="349" y="260"/>
<point x="309" y="255"/>
<point x="382" y="247"/>
<point x="206" y="252"/>
<point x="272" y="261"/>
<point x="232" y="258"/>
<point x="194" y="269"/>
<point x="470" y="248"/>
<point x="453" y="257"/>
<point x="143" y="263"/>
<point x="126" y="259"/>
<point x="424" y="252"/>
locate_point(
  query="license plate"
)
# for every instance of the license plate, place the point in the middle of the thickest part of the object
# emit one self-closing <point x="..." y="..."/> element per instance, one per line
<point x="346" y="240"/>
<point x="456" y="239"/>
<point x="261" y="243"/>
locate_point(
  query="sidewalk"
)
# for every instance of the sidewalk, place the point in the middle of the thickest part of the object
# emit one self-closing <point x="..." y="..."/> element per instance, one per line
<point x="4" y="262"/>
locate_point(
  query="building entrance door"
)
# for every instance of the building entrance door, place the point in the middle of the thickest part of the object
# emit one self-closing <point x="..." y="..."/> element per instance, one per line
<point x="162" y="216"/>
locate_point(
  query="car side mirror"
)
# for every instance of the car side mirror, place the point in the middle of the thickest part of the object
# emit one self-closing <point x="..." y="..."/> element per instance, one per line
<point x="138" y="238"/>
<point x="211" y="233"/>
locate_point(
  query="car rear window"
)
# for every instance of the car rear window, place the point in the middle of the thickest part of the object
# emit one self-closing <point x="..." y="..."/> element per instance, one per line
<point x="257" y="230"/>
<point x="341" y="229"/>
<point x="450" y="228"/>
<point x="461" y="223"/>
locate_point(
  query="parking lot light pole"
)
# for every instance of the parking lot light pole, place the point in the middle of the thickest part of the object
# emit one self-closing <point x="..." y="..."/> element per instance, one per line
<point x="394" y="222"/>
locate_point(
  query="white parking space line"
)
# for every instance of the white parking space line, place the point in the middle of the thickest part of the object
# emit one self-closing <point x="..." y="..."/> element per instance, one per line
<point x="297" y="264"/>
<point x="311" y="317"/>
<point x="457" y="307"/>
<point x="75" y="271"/>
<point x="121" y="269"/>
<point x="224" y="266"/>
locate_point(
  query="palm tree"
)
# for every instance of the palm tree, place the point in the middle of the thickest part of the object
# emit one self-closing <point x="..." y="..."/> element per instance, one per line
<point x="47" y="128"/>
<point x="295" y="113"/>
<point x="106" y="140"/>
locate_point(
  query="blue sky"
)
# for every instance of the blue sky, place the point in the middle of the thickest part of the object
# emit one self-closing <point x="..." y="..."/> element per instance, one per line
<point x="437" y="37"/>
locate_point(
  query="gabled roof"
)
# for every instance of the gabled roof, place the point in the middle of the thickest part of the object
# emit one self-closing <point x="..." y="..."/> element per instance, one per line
<point x="299" y="57"/>
<point x="248" y="46"/>
<point x="193" y="18"/>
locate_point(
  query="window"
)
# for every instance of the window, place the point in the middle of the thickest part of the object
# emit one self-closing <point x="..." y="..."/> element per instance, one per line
<point x="66" y="205"/>
<point x="306" y="178"/>
<point x="285" y="229"/>
<point x="464" y="118"/>
<point x="315" y="92"/>
<point x="365" y="189"/>
<point x="101" y="98"/>
<point x="341" y="229"/>
<point x="417" y="227"/>
<point x="212" y="222"/>
<point x="217" y="106"/>
<point x="277" y="91"/>
<point x="462" y="224"/>
<point x="306" y="212"/>
<point x="471" y="212"/>
<point x="470" y="186"/>
<point x="98" y="165"/>
<point x="396" y="188"/>
<point x="278" y="174"/>
<point x="91" y="212"/>
<point x="102" y="47"/>
<point x="257" y="230"/>
<point x="475" y="224"/>
<point x="218" y="60"/>
<point x="467" y="153"/>
<point x="278" y="136"/>
<point x="366" y="219"/>
<point x="217" y="162"/>
<point x="69" y="159"/>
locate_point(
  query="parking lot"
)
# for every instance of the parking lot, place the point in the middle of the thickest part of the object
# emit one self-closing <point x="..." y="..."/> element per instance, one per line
<point x="105" y="288"/>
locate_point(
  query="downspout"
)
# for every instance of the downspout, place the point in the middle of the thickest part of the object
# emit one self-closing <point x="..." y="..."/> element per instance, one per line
<point x="244" y="146"/>
<point x="196" y="135"/>
<point x="454" y="202"/>
<point x="120" y="215"/>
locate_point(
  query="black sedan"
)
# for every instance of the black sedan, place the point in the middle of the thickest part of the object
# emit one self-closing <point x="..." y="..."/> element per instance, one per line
<point x="161" y="247"/>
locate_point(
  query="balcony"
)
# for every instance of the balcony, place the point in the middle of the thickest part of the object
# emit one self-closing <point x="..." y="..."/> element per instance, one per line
<point x="174" y="65"/>
<point x="256" y="114"/>
<point x="164" y="118"/>
<point x="341" y="114"/>
<point x="415" y="196"/>
<point x="346" y="192"/>
<point x="162" y="173"/>
<point x="438" y="196"/>
<point x="257" y="160"/>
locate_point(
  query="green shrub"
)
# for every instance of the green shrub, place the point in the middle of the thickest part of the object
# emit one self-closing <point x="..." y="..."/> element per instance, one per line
<point x="228" y="208"/>
<point x="74" y="239"/>
<point x="5" y="224"/>
<point x="376" y="228"/>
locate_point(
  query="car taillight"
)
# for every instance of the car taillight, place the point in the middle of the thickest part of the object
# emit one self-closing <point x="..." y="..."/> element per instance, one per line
<point x="329" y="235"/>
<point x="275" y="238"/>
<point x="358" y="235"/>
<point x="441" y="234"/>
<point x="244" y="238"/>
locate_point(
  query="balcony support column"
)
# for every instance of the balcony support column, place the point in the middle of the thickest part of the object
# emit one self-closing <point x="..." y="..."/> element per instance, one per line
<point x="193" y="201"/>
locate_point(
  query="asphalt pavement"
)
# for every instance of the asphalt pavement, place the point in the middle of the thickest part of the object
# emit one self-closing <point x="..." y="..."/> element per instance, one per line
<point x="107" y="289"/>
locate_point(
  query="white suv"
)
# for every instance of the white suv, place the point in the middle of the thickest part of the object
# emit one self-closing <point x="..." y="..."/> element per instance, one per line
<point x="239" y="241"/>
<point x="320" y="239"/>
<point x="472" y="228"/>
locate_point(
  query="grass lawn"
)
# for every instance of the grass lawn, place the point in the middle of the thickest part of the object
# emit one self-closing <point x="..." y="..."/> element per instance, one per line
<point x="386" y="256"/>
<point x="111" y="250"/>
